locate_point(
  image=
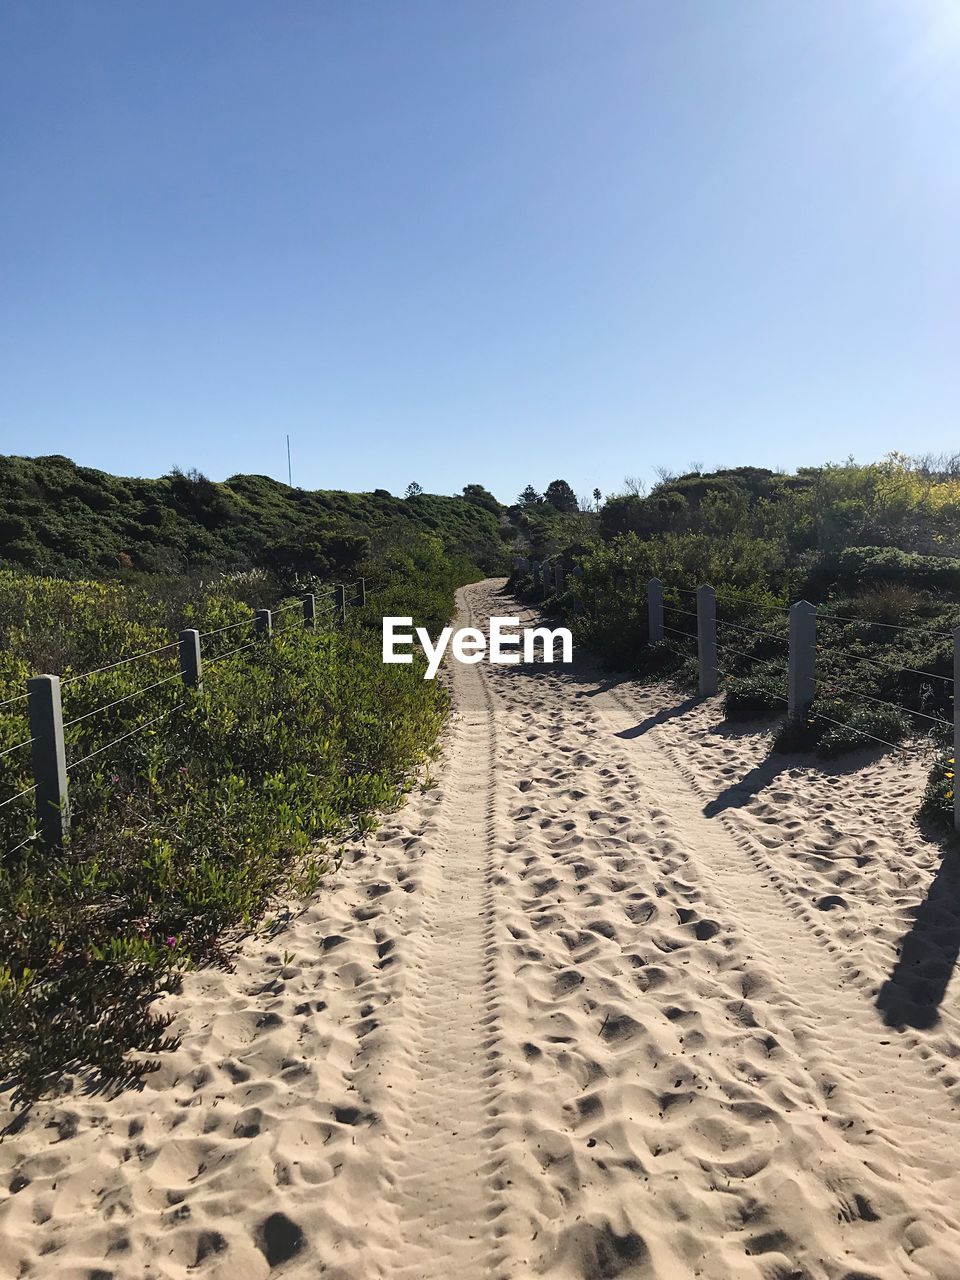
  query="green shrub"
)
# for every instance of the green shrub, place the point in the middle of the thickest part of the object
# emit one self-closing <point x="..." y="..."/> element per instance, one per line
<point x="754" y="697"/>
<point x="938" y="797"/>
<point x="862" y="726"/>
<point x="862" y="567"/>
<point x="186" y="832"/>
<point x="888" y="602"/>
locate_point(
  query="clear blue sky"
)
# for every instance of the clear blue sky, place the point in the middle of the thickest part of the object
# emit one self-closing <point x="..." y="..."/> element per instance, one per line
<point x="491" y="242"/>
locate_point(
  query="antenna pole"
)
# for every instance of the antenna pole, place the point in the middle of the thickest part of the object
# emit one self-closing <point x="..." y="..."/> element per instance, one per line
<point x="289" y="468"/>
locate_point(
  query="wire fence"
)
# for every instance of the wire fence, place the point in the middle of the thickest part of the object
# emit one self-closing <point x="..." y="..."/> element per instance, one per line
<point x="50" y="735"/>
<point x="797" y="672"/>
<point x="121" y="662"/>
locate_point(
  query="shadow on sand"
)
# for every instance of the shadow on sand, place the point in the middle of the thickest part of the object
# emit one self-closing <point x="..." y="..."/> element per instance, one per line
<point x="928" y="952"/>
<point x="912" y="995"/>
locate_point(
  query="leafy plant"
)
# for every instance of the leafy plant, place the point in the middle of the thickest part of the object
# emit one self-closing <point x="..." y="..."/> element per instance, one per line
<point x="185" y="834"/>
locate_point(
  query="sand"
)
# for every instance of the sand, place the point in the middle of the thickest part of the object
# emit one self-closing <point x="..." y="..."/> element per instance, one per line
<point x="617" y="993"/>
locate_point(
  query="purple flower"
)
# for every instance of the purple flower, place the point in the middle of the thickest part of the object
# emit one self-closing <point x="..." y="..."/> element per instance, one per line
<point x="171" y="941"/>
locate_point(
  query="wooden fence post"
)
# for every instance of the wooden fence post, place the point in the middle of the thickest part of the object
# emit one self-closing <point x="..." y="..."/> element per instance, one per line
<point x="558" y="577"/>
<point x="310" y="611"/>
<point x="49" y="759"/>
<point x="191" y="664"/>
<point x="361" y="593"/>
<point x="340" y="603"/>
<point x="956" y="726"/>
<point x="263" y="623"/>
<point x="707" y="639"/>
<point x="801" y="682"/>
<point x="655" y="610"/>
<point x="535" y="569"/>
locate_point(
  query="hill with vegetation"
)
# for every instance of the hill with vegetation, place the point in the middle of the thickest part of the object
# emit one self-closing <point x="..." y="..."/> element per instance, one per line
<point x="72" y="521"/>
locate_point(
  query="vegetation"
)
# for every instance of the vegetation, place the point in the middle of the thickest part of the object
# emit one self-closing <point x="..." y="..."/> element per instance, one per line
<point x="59" y="519"/>
<point x="551" y="523"/>
<point x="875" y="547"/>
<point x="183" y="833"/>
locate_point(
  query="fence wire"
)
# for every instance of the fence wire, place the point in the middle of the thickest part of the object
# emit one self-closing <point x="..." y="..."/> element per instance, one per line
<point x="829" y="687"/>
<point x="232" y="626"/>
<point x="895" y="706"/>
<point x="753" y="631"/>
<point x="884" y="666"/>
<point x="123" y="737"/>
<point x="209" y="662"/>
<point x="137" y="693"/>
<point x="689" y="634"/>
<point x="751" y="657"/>
<point x="326" y="608"/>
<point x="810" y="716"/>
<point x="890" y="626"/>
<point x="27" y="791"/>
<point x="149" y="653"/>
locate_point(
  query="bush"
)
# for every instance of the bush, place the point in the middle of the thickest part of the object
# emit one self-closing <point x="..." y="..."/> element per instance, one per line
<point x="887" y="603"/>
<point x="187" y="831"/>
<point x="862" y="727"/>
<point x="869" y="566"/>
<point x="754" y="697"/>
<point x="938" y="798"/>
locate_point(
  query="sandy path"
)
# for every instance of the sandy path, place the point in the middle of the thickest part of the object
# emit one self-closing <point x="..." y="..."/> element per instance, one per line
<point x="441" y="1156"/>
<point x="601" y="1002"/>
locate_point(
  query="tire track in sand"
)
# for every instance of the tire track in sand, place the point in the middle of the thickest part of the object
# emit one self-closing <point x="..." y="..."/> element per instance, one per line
<point x="443" y="1168"/>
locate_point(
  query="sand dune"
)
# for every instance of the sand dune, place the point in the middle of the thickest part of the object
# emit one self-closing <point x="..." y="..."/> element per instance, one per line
<point x="619" y="995"/>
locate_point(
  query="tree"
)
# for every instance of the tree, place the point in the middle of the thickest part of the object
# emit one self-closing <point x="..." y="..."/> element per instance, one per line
<point x="413" y="489"/>
<point x="597" y="499"/>
<point x="530" y="497"/>
<point x="196" y="496"/>
<point x="328" y="551"/>
<point x="559" y="495"/>
<point x="476" y="493"/>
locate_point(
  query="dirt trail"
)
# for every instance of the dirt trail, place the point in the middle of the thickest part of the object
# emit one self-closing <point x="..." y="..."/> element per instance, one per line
<point x="443" y="1161"/>
<point x="582" y="1009"/>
